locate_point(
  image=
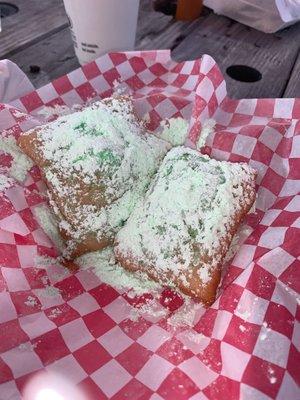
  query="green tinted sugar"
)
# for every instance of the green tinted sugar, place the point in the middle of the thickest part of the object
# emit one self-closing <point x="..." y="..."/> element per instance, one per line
<point x="106" y="148"/>
<point x="174" y="131"/>
<point x="187" y="210"/>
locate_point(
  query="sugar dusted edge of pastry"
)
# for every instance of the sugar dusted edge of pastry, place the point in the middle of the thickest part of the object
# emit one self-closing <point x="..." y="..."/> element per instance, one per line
<point x="189" y="189"/>
<point x="104" y="149"/>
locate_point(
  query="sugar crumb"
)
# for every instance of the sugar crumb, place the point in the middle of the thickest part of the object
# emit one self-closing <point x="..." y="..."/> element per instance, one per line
<point x="27" y="346"/>
<point x="20" y="164"/>
<point x="208" y="127"/>
<point x="186" y="316"/>
<point x="151" y="310"/>
<point x="5" y="182"/>
<point x="48" y="291"/>
<point x="49" y="224"/>
<point x="103" y="264"/>
<point x="19" y="114"/>
<point x="31" y="301"/>
<point x="55" y="312"/>
<point x="48" y="112"/>
<point x="174" y="130"/>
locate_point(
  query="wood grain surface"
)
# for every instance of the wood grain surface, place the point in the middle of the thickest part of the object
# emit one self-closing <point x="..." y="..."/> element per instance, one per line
<point x="231" y="43"/>
<point x="35" y="20"/>
<point x="293" y="86"/>
<point x="43" y="38"/>
<point x="54" y="55"/>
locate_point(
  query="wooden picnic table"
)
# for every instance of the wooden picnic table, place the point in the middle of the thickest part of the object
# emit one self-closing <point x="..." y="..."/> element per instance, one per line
<point x="38" y="35"/>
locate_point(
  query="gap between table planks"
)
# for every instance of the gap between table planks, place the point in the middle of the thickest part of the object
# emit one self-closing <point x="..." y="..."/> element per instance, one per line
<point x="49" y="45"/>
<point x="293" y="86"/>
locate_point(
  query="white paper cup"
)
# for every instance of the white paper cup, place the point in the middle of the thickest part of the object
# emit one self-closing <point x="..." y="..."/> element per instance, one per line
<point x="100" y="26"/>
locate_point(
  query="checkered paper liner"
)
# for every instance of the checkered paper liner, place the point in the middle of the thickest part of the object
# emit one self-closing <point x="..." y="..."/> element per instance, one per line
<point x="250" y="337"/>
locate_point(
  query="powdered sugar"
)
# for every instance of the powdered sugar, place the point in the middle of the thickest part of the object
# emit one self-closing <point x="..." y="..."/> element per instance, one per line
<point x="55" y="312"/>
<point x="27" y="346"/>
<point x="174" y="131"/>
<point x="194" y="337"/>
<point x="45" y="261"/>
<point x="103" y="264"/>
<point x="5" y="182"/>
<point x="48" y="112"/>
<point x="19" y="114"/>
<point x="271" y="375"/>
<point x="207" y="128"/>
<point x="163" y="230"/>
<point x="187" y="315"/>
<point x="99" y="161"/>
<point x="151" y="311"/>
<point x="31" y="301"/>
<point x="20" y="164"/>
<point x="48" y="222"/>
<point x="48" y="291"/>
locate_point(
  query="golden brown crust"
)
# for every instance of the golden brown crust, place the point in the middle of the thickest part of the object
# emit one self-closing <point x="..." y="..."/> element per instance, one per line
<point x="90" y="242"/>
<point x="31" y="146"/>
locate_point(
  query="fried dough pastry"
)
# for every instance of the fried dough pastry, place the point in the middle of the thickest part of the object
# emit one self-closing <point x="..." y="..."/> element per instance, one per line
<point x="97" y="163"/>
<point x="180" y="233"/>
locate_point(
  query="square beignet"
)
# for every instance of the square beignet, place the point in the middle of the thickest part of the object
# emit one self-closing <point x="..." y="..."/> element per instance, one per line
<point x="180" y="233"/>
<point x="96" y="163"/>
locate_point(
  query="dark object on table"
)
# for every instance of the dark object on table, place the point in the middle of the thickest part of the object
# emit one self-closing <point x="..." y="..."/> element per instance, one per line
<point x="188" y="10"/>
<point x="182" y="10"/>
<point x="167" y="7"/>
<point x="7" y="9"/>
<point x="34" y="69"/>
<point x="243" y="73"/>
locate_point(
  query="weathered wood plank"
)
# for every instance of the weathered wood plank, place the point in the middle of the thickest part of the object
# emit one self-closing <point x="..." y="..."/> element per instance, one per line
<point x="54" y="55"/>
<point x="158" y="31"/>
<point x="150" y="22"/>
<point x="293" y="86"/>
<point x="230" y="43"/>
<point x="35" y="20"/>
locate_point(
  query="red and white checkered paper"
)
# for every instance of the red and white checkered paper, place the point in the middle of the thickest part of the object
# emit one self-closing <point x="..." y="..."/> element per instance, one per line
<point x="251" y="335"/>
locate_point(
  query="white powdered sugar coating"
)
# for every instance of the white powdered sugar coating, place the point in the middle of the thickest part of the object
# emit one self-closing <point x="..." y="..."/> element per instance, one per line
<point x="103" y="264"/>
<point x="174" y="131"/>
<point x="49" y="112"/>
<point x="100" y="160"/>
<point x="187" y="315"/>
<point x="55" y="312"/>
<point x="31" y="301"/>
<point x="48" y="291"/>
<point x="20" y="164"/>
<point x="151" y="311"/>
<point x="207" y="128"/>
<point x="42" y="262"/>
<point x="47" y="221"/>
<point x="5" y="182"/>
<point x="186" y="214"/>
<point x="19" y="114"/>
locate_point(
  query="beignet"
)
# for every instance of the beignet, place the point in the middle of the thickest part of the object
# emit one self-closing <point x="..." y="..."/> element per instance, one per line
<point x="180" y="233"/>
<point x="97" y="163"/>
